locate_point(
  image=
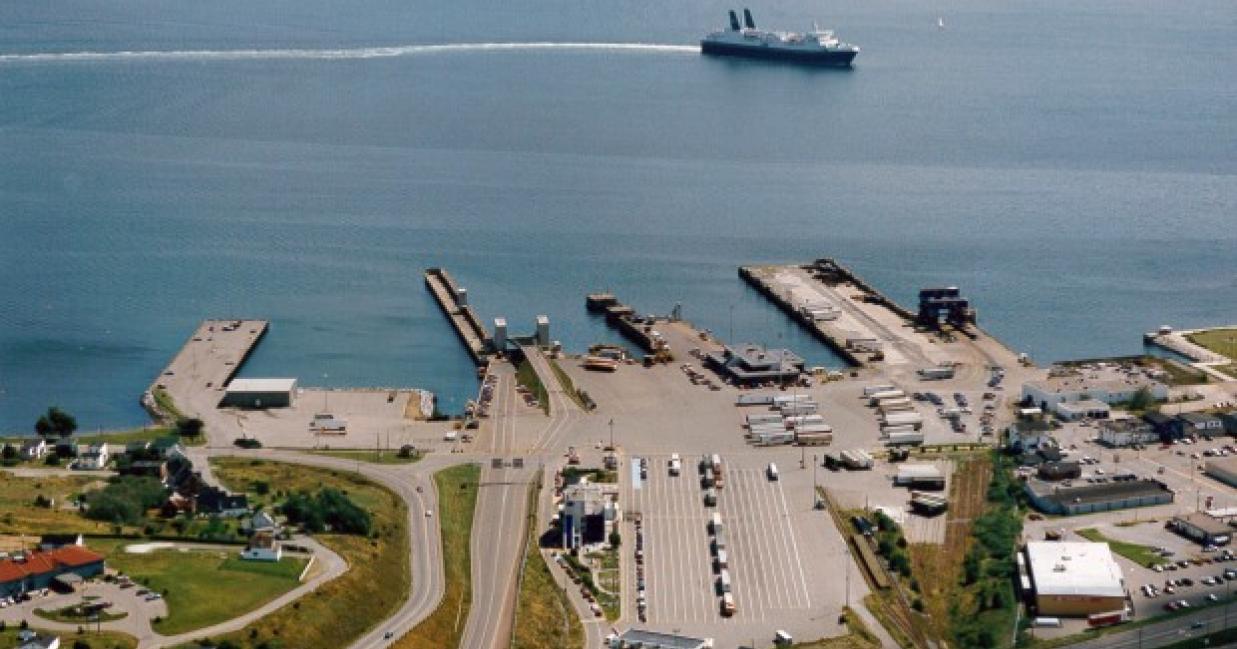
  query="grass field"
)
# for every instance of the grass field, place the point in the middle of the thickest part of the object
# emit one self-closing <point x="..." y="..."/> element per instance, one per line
<point x="1140" y="554"/>
<point x="1220" y="341"/>
<point x="568" y="385"/>
<point x="104" y="640"/>
<point x="19" y="515"/>
<point x="371" y="456"/>
<point x="376" y="583"/>
<point x="202" y="587"/>
<point x="544" y="617"/>
<point x="457" y="500"/>
<point x="69" y="615"/>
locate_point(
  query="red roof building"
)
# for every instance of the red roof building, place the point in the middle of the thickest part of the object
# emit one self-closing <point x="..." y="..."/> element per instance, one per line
<point x="35" y="570"/>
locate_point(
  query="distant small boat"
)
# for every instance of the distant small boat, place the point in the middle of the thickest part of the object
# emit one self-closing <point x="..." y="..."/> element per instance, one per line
<point x="940" y="23"/>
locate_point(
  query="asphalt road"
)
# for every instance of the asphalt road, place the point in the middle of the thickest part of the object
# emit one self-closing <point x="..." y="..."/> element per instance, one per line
<point x="1168" y="632"/>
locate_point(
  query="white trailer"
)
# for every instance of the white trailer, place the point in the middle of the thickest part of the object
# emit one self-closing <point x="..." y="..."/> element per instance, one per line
<point x="764" y="418"/>
<point x="813" y="439"/>
<point x="905" y="439"/>
<point x="790" y="398"/>
<point x="803" y="420"/>
<point x="902" y="428"/>
<point x="895" y="405"/>
<point x="766" y="429"/>
<point x="938" y="373"/>
<point x="903" y="419"/>
<point x="874" y="389"/>
<point x="857" y="459"/>
<point x="781" y="438"/>
<point x="875" y="399"/>
<point x="800" y="408"/>
<point x="754" y="400"/>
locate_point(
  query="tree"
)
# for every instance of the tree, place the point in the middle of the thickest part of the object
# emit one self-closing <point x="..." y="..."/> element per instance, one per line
<point x="9" y="452"/>
<point x="189" y="427"/>
<point x="1142" y="399"/>
<point x="55" y="422"/>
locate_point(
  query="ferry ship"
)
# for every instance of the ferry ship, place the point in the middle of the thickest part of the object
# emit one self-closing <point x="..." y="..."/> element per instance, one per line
<point x="817" y="47"/>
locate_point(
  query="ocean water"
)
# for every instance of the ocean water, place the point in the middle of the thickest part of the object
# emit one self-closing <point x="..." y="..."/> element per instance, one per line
<point x="1072" y="167"/>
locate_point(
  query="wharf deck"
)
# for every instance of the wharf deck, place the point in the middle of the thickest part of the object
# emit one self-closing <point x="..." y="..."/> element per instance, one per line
<point x="467" y="325"/>
<point x="204" y="365"/>
<point x="762" y="279"/>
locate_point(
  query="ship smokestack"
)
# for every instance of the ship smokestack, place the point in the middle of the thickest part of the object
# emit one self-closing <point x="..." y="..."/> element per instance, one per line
<point x="734" y="22"/>
<point x="747" y="19"/>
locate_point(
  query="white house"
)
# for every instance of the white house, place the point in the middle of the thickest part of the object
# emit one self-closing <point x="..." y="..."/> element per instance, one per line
<point x="1058" y="389"/>
<point x="262" y="547"/>
<point x="94" y="459"/>
<point x="34" y="449"/>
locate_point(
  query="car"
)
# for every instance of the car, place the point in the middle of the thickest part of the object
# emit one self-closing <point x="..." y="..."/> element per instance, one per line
<point x="388" y="635"/>
<point x="1212" y="597"/>
<point x="1158" y="567"/>
<point x="429" y="513"/>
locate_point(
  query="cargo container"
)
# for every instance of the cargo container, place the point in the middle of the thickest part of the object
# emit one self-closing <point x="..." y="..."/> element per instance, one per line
<point x="814" y="428"/>
<point x="904" y="439"/>
<point x="782" y="399"/>
<point x="874" y="389"/>
<point x="761" y="429"/>
<point x="929" y="504"/>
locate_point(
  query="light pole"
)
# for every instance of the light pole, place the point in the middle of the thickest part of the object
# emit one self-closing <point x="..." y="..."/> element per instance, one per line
<point x="326" y="395"/>
<point x="611" y="435"/>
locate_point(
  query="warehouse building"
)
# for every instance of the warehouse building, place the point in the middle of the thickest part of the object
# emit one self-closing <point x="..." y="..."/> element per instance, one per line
<point x="1120" y="433"/>
<point x="259" y="393"/>
<point x="1072" y="579"/>
<point x="1058" y="389"/>
<point x="1088" y="498"/>
<point x="589" y="514"/>
<point x="1223" y="469"/>
<point x="1201" y="528"/>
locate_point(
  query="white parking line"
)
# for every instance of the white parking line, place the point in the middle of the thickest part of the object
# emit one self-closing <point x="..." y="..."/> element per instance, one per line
<point x="797" y="561"/>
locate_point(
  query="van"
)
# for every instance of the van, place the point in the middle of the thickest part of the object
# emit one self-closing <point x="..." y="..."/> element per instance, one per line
<point x="1052" y="622"/>
<point x="723" y="582"/>
<point x="715" y="523"/>
<point x="772" y="471"/>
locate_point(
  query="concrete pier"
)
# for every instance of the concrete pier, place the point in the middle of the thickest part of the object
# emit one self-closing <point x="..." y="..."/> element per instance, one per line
<point x="623" y="317"/>
<point x="465" y="322"/>
<point x="760" y="278"/>
<point x="204" y="365"/>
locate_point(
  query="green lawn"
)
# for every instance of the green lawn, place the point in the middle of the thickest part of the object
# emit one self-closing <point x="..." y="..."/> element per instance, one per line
<point x="457" y="501"/>
<point x="1220" y="341"/>
<point x="104" y="640"/>
<point x="378" y="575"/>
<point x="202" y="587"/>
<point x="1140" y="554"/>
<point x="371" y="456"/>
<point x="543" y="614"/>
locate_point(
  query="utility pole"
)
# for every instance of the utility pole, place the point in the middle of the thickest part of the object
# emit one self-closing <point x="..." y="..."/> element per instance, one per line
<point x="611" y="434"/>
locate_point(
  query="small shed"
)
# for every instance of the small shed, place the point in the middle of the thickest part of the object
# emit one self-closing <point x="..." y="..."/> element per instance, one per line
<point x="259" y="393"/>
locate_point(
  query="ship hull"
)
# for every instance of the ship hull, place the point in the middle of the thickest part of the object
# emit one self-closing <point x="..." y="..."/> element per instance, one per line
<point x="804" y="57"/>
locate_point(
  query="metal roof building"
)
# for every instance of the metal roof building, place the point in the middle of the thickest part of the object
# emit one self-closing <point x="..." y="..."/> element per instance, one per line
<point x="259" y="393"/>
<point x="1074" y="578"/>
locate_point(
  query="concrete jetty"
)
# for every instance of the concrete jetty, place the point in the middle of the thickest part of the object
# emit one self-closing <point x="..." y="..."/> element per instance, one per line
<point x="638" y="329"/>
<point x="454" y="302"/>
<point x="204" y="365"/>
<point x="761" y="279"/>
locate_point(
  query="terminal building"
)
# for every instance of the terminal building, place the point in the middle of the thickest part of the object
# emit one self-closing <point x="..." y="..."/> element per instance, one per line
<point x="1202" y="528"/>
<point x="755" y="365"/>
<point x="259" y="393"/>
<point x="589" y="514"/>
<point x="1071" y="579"/>
<point x="37" y="570"/>
<point x="1053" y="498"/>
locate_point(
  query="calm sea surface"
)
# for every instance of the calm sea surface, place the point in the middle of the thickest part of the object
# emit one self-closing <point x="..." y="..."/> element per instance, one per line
<point x="1072" y="166"/>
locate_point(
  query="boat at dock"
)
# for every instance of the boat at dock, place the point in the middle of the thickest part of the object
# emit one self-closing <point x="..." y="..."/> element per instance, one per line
<point x="817" y="47"/>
